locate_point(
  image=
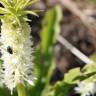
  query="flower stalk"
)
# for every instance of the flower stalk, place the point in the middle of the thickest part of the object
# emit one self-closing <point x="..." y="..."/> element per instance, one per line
<point x="21" y="90"/>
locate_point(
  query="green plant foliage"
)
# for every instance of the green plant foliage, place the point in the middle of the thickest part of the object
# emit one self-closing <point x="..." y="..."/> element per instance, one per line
<point x="45" y="53"/>
<point x="63" y="88"/>
<point x="71" y="75"/>
<point x="91" y="70"/>
<point x="5" y="92"/>
<point x="74" y="77"/>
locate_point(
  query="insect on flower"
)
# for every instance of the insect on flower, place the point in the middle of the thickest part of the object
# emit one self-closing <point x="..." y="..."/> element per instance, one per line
<point x="16" y="44"/>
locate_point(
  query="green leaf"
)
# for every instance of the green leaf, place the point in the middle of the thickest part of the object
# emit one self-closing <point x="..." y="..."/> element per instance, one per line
<point x="5" y="92"/>
<point x="90" y="71"/>
<point x="3" y="11"/>
<point x="25" y="4"/>
<point x="62" y="89"/>
<point x="32" y="2"/>
<point x="19" y="4"/>
<point x="71" y="75"/>
<point x="4" y="3"/>
<point x="45" y="54"/>
<point x="1" y="17"/>
<point x="51" y="26"/>
<point x="30" y="12"/>
<point x="85" y="76"/>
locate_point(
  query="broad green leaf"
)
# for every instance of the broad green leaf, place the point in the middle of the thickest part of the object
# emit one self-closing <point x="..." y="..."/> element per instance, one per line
<point x="45" y="53"/>
<point x="71" y="75"/>
<point x="51" y="28"/>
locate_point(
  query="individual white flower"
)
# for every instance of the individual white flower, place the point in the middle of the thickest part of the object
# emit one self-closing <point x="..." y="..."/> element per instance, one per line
<point x="86" y="89"/>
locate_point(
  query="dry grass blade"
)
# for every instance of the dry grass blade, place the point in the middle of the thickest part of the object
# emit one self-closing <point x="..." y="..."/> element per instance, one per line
<point x="74" y="50"/>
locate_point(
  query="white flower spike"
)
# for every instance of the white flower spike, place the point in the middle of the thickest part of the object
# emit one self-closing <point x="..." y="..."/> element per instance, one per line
<point x="16" y="44"/>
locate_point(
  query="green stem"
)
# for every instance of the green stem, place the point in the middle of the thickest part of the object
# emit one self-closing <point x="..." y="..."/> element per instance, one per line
<point x="21" y="90"/>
